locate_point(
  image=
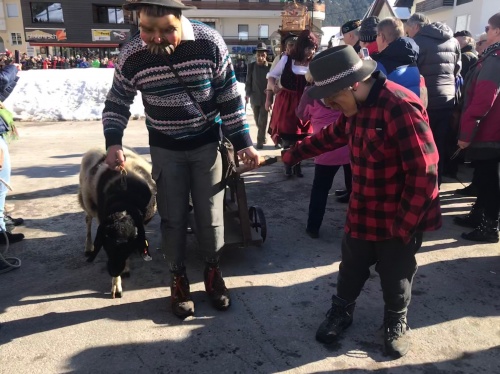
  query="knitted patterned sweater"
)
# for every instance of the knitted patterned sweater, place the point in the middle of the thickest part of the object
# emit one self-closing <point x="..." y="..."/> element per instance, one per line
<point x="172" y="119"/>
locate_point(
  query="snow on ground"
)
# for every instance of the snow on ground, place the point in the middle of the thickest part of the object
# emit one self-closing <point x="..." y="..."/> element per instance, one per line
<point x="66" y="95"/>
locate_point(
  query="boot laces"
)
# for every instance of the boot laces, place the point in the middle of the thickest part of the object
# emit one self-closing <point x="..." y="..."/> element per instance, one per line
<point x="215" y="282"/>
<point x="395" y="326"/>
<point x="178" y="287"/>
<point x="336" y="313"/>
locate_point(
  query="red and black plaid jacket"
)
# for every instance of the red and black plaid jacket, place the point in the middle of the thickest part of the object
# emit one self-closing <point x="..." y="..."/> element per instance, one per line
<point x="394" y="164"/>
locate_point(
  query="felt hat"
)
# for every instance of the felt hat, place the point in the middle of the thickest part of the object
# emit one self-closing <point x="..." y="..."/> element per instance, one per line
<point x="261" y="47"/>
<point x="350" y="26"/>
<point x="368" y="30"/>
<point x="463" y="33"/>
<point x="337" y="68"/>
<point x="173" y="4"/>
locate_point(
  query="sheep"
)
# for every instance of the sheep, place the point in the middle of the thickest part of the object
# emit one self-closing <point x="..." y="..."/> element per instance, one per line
<point x="123" y="202"/>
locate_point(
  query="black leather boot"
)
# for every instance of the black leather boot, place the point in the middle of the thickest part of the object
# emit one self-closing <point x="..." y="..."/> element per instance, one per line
<point x="471" y="219"/>
<point x="338" y="318"/>
<point x="487" y="231"/>
<point x="396" y="339"/>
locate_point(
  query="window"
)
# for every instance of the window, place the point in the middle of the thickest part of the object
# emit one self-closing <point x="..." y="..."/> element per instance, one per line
<point x="463" y="23"/>
<point x="460" y="2"/>
<point x="47" y="12"/>
<point x="108" y="14"/>
<point x="12" y="11"/>
<point x="243" y="32"/>
<point x="211" y="24"/>
<point x="16" y="38"/>
<point x="263" y="31"/>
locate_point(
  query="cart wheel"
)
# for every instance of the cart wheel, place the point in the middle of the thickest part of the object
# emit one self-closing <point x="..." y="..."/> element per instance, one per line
<point x="258" y="221"/>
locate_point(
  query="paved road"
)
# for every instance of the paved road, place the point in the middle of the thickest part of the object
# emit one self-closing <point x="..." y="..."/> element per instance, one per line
<point x="57" y="315"/>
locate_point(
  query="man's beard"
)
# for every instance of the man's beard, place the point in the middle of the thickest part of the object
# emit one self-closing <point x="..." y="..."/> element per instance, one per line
<point x="161" y="49"/>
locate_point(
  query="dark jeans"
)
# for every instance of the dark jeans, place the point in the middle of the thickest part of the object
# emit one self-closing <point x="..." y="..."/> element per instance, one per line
<point x="323" y="180"/>
<point x="260" y="115"/>
<point x="443" y="136"/>
<point x="395" y="264"/>
<point x="488" y="186"/>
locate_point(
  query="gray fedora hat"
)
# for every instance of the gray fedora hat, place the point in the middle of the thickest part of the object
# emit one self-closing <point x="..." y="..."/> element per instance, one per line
<point x="173" y="4"/>
<point x="337" y="68"/>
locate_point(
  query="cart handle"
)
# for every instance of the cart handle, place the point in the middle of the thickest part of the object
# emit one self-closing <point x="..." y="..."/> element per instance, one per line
<point x="263" y="161"/>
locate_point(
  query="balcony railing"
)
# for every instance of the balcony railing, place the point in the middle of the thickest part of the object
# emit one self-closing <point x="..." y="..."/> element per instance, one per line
<point x="236" y="5"/>
<point x="428" y="5"/>
<point x="248" y="5"/>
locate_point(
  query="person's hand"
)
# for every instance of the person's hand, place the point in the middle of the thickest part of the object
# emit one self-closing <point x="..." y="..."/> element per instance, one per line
<point x="18" y="66"/>
<point x="268" y="106"/>
<point x="462" y="144"/>
<point x="250" y="157"/>
<point x="115" y="159"/>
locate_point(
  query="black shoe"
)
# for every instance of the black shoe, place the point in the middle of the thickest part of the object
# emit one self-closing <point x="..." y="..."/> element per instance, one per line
<point x="180" y="295"/>
<point x="13" y="238"/>
<point x="340" y="192"/>
<point x="344" y="198"/>
<point x="12" y="221"/>
<point x="471" y="219"/>
<point x="338" y="318"/>
<point x="487" y="232"/>
<point x="314" y="234"/>
<point x="259" y="146"/>
<point x="297" y="170"/>
<point x="470" y="190"/>
<point x="396" y="339"/>
<point x="288" y="171"/>
<point x="215" y="287"/>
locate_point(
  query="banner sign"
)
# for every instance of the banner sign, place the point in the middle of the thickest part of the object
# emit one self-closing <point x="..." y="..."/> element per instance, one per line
<point x="45" y="35"/>
<point x="116" y="35"/>
<point x="241" y="49"/>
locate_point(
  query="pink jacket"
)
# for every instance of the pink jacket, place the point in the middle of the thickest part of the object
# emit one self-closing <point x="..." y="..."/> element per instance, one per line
<point x="320" y="117"/>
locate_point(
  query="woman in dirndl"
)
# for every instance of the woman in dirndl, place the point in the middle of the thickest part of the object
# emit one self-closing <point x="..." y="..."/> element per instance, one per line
<point x="285" y="127"/>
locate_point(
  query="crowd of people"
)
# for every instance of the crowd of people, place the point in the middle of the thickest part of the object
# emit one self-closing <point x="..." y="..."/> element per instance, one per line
<point x="60" y="62"/>
<point x="383" y="106"/>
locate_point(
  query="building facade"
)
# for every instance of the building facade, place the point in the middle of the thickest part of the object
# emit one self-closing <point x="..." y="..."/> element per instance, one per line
<point x="97" y="27"/>
<point x="11" y="26"/>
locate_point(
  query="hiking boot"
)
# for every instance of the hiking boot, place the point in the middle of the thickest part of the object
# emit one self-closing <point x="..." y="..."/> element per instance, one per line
<point x="487" y="231"/>
<point x="471" y="219"/>
<point x="297" y="170"/>
<point x="470" y="190"/>
<point x="340" y="192"/>
<point x="215" y="287"/>
<point x="180" y="295"/>
<point x="396" y="339"/>
<point x="13" y="238"/>
<point x="338" y="318"/>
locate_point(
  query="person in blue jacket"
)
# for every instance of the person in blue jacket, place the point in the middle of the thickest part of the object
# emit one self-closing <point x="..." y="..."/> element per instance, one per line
<point x="397" y="57"/>
<point x="8" y="80"/>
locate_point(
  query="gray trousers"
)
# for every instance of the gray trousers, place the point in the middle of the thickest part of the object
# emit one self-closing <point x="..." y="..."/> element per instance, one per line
<point x="260" y="115"/>
<point x="178" y="173"/>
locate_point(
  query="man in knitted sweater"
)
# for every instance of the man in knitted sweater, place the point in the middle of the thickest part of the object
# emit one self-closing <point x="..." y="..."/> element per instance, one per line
<point x="184" y="121"/>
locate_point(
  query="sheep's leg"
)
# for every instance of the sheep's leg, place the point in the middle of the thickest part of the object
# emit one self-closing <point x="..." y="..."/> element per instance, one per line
<point x="89" y="246"/>
<point x="116" y="287"/>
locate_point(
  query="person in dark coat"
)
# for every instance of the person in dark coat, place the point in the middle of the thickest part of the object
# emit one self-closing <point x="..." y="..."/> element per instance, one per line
<point x="255" y="91"/>
<point x="468" y="50"/>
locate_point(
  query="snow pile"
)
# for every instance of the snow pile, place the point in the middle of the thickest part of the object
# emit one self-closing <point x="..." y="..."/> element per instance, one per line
<point x="67" y="95"/>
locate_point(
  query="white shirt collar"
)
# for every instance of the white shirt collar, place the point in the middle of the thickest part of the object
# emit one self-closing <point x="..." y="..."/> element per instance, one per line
<point x="186" y="30"/>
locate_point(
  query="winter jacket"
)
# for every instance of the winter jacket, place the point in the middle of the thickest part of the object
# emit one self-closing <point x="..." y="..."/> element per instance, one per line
<point x="469" y="58"/>
<point x="256" y="83"/>
<point x="320" y="116"/>
<point x="398" y="62"/>
<point x="480" y="121"/>
<point x="438" y="62"/>
<point x="8" y="80"/>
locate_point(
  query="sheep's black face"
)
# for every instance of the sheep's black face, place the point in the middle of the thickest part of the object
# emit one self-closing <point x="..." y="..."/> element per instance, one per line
<point x="120" y="241"/>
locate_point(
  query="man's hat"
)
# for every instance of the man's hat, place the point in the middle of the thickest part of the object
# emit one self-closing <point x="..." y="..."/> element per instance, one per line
<point x="173" y="4"/>
<point x="463" y="33"/>
<point x="261" y="47"/>
<point x="337" y="68"/>
<point x="350" y="25"/>
<point x="368" y="30"/>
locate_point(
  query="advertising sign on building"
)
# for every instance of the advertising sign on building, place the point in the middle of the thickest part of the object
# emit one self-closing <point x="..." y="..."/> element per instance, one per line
<point x="110" y="35"/>
<point x="45" y="35"/>
<point x="30" y="50"/>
